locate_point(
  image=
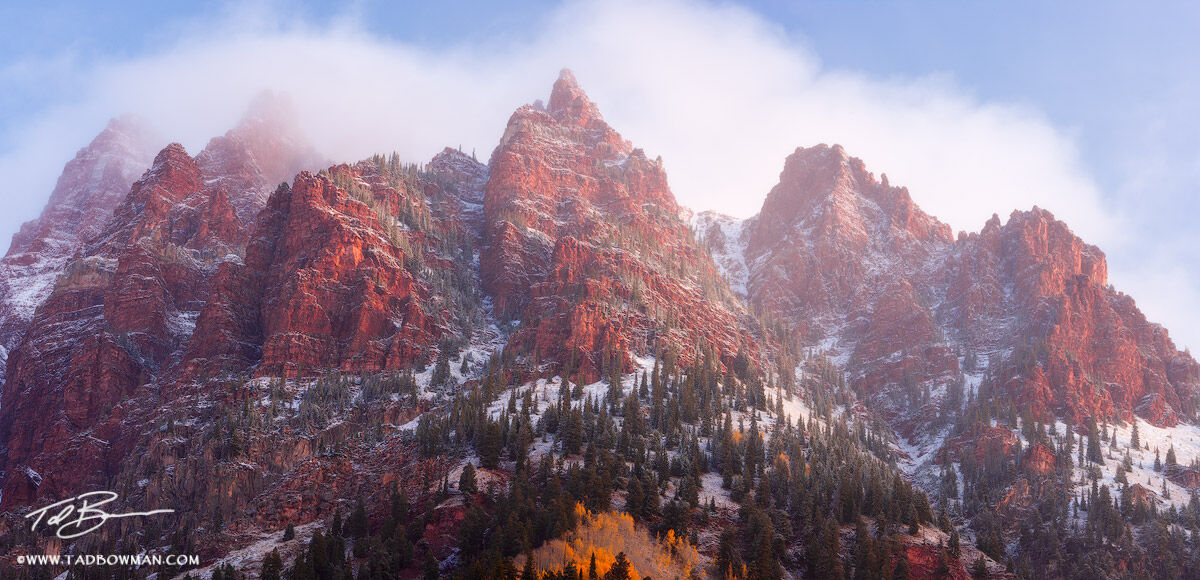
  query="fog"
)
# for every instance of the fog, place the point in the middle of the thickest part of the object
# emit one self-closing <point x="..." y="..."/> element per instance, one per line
<point x="722" y="95"/>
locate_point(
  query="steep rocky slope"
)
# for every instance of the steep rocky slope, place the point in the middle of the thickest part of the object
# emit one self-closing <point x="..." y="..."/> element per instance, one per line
<point x="120" y="312"/>
<point x="587" y="247"/>
<point x="89" y="189"/>
<point x="255" y="354"/>
<point x="858" y="270"/>
<point x="111" y="324"/>
<point x="347" y="269"/>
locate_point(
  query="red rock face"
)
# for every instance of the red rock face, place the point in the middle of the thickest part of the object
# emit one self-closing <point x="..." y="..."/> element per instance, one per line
<point x="330" y="280"/>
<point x="849" y="260"/>
<point x="113" y="318"/>
<point x="1080" y="347"/>
<point x="856" y="267"/>
<point x="924" y="562"/>
<point x="989" y="442"/>
<point x="1038" y="460"/>
<point x="89" y="189"/>
<point x="1144" y="496"/>
<point x="265" y="149"/>
<point x="122" y="311"/>
<point x="832" y="228"/>
<point x="585" y="245"/>
<point x="1186" y="477"/>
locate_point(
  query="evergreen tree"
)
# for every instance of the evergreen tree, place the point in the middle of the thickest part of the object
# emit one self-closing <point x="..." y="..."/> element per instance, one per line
<point x="728" y="562"/>
<point x="527" y="572"/>
<point x="357" y="524"/>
<point x="824" y="557"/>
<point x="272" y="566"/>
<point x="979" y="568"/>
<point x="1093" y="442"/>
<point x="318" y="554"/>
<point x="489" y="447"/>
<point x="620" y="569"/>
<point x="302" y="568"/>
<point x="466" y="481"/>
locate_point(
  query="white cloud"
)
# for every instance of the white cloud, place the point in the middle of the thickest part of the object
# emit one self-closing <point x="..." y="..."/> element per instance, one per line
<point x="721" y="94"/>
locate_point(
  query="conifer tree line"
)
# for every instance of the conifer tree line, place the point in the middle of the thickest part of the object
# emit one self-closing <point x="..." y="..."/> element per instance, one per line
<point x="700" y="451"/>
<point x="645" y="445"/>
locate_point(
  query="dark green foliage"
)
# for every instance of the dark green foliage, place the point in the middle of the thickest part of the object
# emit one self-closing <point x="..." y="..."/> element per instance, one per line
<point x="357" y="523"/>
<point x="1093" y="443"/>
<point x="979" y="568"/>
<point x="620" y="570"/>
<point x="272" y="566"/>
<point x="466" y="481"/>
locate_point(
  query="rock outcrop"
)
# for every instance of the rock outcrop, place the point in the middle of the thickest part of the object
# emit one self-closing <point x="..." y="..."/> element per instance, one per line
<point x="858" y="269"/>
<point x="340" y="274"/>
<point x="89" y="189"/>
<point x="587" y="247"/>
<point x="111" y="323"/>
<point x="121" y="310"/>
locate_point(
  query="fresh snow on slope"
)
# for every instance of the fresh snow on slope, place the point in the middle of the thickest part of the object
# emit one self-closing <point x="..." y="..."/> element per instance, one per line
<point x="729" y="253"/>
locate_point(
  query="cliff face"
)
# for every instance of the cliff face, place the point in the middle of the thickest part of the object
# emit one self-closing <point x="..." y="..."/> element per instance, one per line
<point x="112" y="320"/>
<point x="1078" y="345"/>
<point x="340" y="274"/>
<point x="861" y="272"/>
<point x="587" y="248"/>
<point x="119" y="309"/>
<point x="89" y="189"/>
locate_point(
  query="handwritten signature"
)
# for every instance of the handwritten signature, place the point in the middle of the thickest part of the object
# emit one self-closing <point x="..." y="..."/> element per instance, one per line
<point x="81" y="515"/>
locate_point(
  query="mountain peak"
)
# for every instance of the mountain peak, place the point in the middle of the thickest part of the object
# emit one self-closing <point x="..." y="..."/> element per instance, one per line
<point x="818" y="156"/>
<point x="270" y="108"/>
<point x="174" y="155"/>
<point x="130" y="127"/>
<point x="823" y="187"/>
<point x="173" y="171"/>
<point x="810" y="174"/>
<point x="266" y="147"/>
<point x="569" y="101"/>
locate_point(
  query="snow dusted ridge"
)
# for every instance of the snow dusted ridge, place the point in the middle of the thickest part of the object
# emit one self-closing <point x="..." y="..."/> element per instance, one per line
<point x="89" y="189"/>
<point x="249" y="560"/>
<point x="726" y="238"/>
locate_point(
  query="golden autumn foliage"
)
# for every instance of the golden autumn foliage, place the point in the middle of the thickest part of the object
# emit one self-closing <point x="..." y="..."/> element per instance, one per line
<point x="607" y="534"/>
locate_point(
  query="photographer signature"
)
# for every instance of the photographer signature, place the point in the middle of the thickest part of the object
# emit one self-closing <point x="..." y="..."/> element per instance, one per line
<point x="81" y="515"/>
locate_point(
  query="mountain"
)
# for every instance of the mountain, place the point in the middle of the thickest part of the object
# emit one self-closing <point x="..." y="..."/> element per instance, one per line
<point x="89" y="189"/>
<point x="858" y="270"/>
<point x="265" y="148"/>
<point x="545" y="363"/>
<point x="587" y="246"/>
<point x="991" y="356"/>
<point x="123" y="307"/>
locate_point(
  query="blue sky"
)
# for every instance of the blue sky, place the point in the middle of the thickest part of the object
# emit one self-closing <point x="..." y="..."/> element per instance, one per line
<point x="1089" y="106"/>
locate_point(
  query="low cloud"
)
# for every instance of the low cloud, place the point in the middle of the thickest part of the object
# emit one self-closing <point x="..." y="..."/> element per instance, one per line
<point x="722" y="95"/>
